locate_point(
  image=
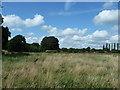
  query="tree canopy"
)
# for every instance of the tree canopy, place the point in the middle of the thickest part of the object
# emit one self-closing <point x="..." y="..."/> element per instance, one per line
<point x="5" y="35"/>
<point x="17" y="43"/>
<point x="1" y="19"/>
<point x="50" y="43"/>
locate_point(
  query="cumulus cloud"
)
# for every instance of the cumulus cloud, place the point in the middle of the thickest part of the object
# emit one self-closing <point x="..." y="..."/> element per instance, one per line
<point x="106" y="17"/>
<point x="100" y="34"/>
<point x="14" y="21"/>
<point x="32" y="39"/>
<point x="16" y="29"/>
<point x="30" y="34"/>
<point x="114" y="39"/>
<point x="68" y="31"/>
<point x="77" y="38"/>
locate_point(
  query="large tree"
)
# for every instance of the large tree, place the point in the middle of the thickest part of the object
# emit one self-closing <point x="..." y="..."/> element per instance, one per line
<point x="1" y="19"/>
<point x="17" y="44"/>
<point x="5" y="35"/>
<point x="50" y="43"/>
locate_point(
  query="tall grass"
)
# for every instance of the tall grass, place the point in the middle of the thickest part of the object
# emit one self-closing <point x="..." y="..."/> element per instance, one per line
<point x="60" y="70"/>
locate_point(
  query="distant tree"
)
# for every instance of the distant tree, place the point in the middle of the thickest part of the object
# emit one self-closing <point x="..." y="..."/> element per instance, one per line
<point x="103" y="47"/>
<point x="5" y="35"/>
<point x="109" y="47"/>
<point x="50" y="43"/>
<point x="106" y="45"/>
<point x="114" y="46"/>
<point x="88" y="49"/>
<point x="17" y="44"/>
<point x="93" y="50"/>
<point x="34" y="47"/>
<point x="64" y="49"/>
<point x="71" y="50"/>
<point x="83" y="49"/>
<point x="36" y="44"/>
<point x="117" y="46"/>
<point x="41" y="49"/>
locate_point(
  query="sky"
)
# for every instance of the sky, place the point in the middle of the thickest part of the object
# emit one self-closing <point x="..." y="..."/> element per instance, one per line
<point x="75" y="24"/>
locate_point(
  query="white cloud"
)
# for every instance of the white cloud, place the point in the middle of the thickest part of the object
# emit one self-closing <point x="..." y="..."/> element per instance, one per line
<point x="45" y="27"/>
<point x="16" y="29"/>
<point x="114" y="39"/>
<point x="91" y="40"/>
<point x="30" y="34"/>
<point x="37" y="20"/>
<point x="68" y="31"/>
<point x="77" y="41"/>
<point x="100" y="34"/>
<point x="115" y="27"/>
<point x="14" y="21"/>
<point x="32" y="40"/>
<point x="107" y="5"/>
<point x="106" y="17"/>
<point x="77" y="38"/>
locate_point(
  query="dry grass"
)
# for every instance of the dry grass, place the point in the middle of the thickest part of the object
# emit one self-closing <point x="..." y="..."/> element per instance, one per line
<point x="61" y="70"/>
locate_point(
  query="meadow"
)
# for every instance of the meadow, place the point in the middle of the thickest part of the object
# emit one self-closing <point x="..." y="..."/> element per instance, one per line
<point x="60" y="70"/>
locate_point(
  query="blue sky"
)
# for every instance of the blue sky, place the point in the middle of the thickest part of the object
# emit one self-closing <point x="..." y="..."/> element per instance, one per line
<point x="76" y="25"/>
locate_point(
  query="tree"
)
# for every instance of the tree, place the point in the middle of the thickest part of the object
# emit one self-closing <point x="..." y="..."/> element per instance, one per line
<point x="103" y="47"/>
<point x="109" y="47"/>
<point x="17" y="44"/>
<point x="64" y="49"/>
<point x="93" y="50"/>
<point x="88" y="49"/>
<point x="35" y="44"/>
<point x="114" y="46"/>
<point x="117" y="46"/>
<point x="106" y="45"/>
<point x="34" y="47"/>
<point x="50" y="43"/>
<point x="71" y="50"/>
<point x="1" y="19"/>
<point x="5" y="35"/>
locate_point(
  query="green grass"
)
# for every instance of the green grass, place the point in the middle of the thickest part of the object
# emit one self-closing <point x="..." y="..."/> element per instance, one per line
<point x="60" y="70"/>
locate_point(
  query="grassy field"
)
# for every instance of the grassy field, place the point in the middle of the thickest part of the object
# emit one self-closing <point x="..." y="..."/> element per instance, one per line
<point x="60" y="70"/>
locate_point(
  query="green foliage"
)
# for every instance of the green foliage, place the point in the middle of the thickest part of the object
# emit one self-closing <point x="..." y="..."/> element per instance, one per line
<point x="50" y="43"/>
<point x="17" y="44"/>
<point x="64" y="49"/>
<point x="5" y="35"/>
<point x="34" y="47"/>
<point x="35" y="44"/>
<point x="88" y="49"/>
<point x="1" y="19"/>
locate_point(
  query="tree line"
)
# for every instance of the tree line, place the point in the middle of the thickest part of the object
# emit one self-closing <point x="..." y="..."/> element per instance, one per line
<point x="18" y="44"/>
